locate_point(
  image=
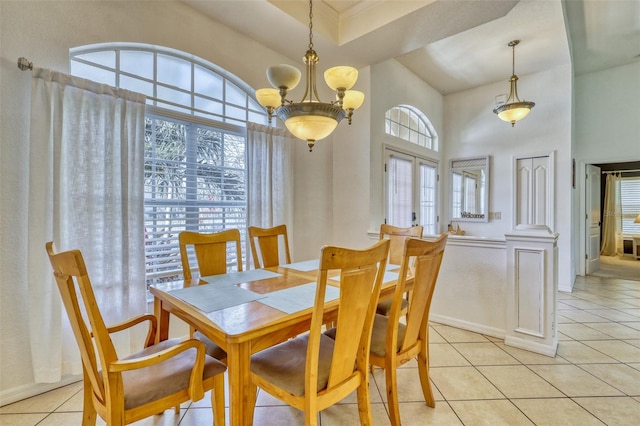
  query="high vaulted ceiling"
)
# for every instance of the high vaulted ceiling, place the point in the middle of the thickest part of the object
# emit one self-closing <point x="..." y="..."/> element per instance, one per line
<point x="453" y="45"/>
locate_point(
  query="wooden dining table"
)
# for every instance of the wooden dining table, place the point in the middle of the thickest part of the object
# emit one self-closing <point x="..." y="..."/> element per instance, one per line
<point x="245" y="312"/>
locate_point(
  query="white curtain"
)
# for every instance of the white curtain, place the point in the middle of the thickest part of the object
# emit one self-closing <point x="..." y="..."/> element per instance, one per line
<point x="270" y="168"/>
<point x="86" y="177"/>
<point x="612" y="221"/>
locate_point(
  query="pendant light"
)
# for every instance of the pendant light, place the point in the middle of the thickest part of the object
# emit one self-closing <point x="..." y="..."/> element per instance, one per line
<point x="310" y="119"/>
<point x="513" y="109"/>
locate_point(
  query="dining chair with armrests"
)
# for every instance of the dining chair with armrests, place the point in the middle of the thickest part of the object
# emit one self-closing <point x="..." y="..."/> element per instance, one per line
<point x="313" y="371"/>
<point x="125" y="390"/>
<point x="267" y="253"/>
<point x="211" y="255"/>
<point x="397" y="236"/>
<point x="393" y="342"/>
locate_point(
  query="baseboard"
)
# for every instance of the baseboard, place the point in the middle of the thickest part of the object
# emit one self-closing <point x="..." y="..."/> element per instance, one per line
<point x="528" y="345"/>
<point x="9" y="396"/>
<point x="469" y="326"/>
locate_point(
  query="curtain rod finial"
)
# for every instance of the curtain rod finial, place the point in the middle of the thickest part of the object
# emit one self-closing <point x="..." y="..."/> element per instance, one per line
<point x="24" y="64"/>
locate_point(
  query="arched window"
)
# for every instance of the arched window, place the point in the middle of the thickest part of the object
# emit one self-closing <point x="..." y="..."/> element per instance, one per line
<point x="411" y="177"/>
<point x="195" y="127"/>
<point x="408" y="123"/>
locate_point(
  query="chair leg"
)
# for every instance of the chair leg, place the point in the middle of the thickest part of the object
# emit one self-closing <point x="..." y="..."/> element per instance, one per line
<point x="217" y="400"/>
<point x="391" y="378"/>
<point x="89" y="413"/>
<point x="253" y="395"/>
<point x="364" y="402"/>
<point x="423" y="370"/>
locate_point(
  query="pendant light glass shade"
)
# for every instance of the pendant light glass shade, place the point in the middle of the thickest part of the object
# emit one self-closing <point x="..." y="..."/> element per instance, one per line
<point x="353" y="99"/>
<point x="341" y="77"/>
<point x="268" y="97"/>
<point x="310" y="119"/>
<point x="283" y="75"/>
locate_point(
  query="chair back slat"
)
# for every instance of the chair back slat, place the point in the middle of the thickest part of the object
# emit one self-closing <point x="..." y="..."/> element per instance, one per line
<point x="76" y="291"/>
<point x="210" y="251"/>
<point x="397" y="236"/>
<point x="361" y="273"/>
<point x="267" y="252"/>
<point x="426" y="258"/>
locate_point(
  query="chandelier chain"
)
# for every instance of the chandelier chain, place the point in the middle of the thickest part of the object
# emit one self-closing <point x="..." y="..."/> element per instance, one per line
<point x="310" y="24"/>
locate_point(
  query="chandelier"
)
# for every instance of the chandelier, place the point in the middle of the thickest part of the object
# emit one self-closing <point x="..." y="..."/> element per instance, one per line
<point x="513" y="109"/>
<point x="310" y="119"/>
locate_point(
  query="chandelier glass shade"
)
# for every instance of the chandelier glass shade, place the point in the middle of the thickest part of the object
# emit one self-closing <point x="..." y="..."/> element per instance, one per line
<point x="513" y="109"/>
<point x="310" y="119"/>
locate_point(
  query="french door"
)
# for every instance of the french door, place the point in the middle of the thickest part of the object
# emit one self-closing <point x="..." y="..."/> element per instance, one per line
<point x="411" y="191"/>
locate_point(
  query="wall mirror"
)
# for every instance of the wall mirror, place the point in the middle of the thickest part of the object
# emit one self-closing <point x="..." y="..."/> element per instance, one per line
<point x="469" y="181"/>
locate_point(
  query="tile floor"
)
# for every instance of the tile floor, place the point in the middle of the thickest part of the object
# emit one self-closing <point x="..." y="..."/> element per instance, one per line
<point x="594" y="379"/>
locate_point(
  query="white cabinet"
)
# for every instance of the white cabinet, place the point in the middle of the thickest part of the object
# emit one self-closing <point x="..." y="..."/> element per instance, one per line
<point x="534" y="191"/>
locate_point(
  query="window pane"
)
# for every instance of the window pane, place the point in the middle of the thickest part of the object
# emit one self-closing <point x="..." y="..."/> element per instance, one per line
<point x="93" y="73"/>
<point x="630" y="202"/>
<point x="136" y="85"/>
<point x="137" y="62"/>
<point x="255" y="117"/>
<point x="404" y="133"/>
<point x="400" y="192"/>
<point x="207" y="82"/>
<point x="174" y="71"/>
<point x="208" y="105"/>
<point x="234" y="95"/>
<point x="253" y="105"/>
<point x="104" y="57"/>
<point x="234" y="112"/>
<point x="175" y="96"/>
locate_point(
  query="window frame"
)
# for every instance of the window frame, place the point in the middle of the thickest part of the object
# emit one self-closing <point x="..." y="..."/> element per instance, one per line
<point x="226" y="120"/>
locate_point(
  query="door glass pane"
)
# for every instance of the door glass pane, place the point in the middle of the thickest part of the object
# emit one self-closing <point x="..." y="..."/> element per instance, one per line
<point x="400" y="200"/>
<point x="428" y="184"/>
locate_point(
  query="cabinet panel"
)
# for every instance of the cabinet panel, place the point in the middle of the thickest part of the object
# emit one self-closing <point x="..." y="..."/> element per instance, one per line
<point x="533" y="198"/>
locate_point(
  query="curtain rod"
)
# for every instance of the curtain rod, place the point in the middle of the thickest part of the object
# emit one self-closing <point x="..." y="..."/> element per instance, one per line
<point x="620" y="171"/>
<point x="24" y="64"/>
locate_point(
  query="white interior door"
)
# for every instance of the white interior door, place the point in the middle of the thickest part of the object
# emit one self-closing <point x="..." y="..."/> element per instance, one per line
<point x="593" y="218"/>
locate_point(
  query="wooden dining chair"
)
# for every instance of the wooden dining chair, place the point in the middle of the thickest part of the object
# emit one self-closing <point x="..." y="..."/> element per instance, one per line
<point x="267" y="252"/>
<point x="395" y="342"/>
<point x="211" y="251"/>
<point x="397" y="237"/>
<point x="313" y="371"/>
<point x="125" y="390"/>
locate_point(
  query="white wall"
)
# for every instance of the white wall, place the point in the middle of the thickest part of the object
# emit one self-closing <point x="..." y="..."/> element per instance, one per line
<point x="473" y="129"/>
<point x="607" y="128"/>
<point x="43" y="32"/>
<point x="392" y="84"/>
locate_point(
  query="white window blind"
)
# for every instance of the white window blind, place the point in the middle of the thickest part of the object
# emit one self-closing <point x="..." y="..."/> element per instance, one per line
<point x="630" y="201"/>
<point x="195" y="180"/>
